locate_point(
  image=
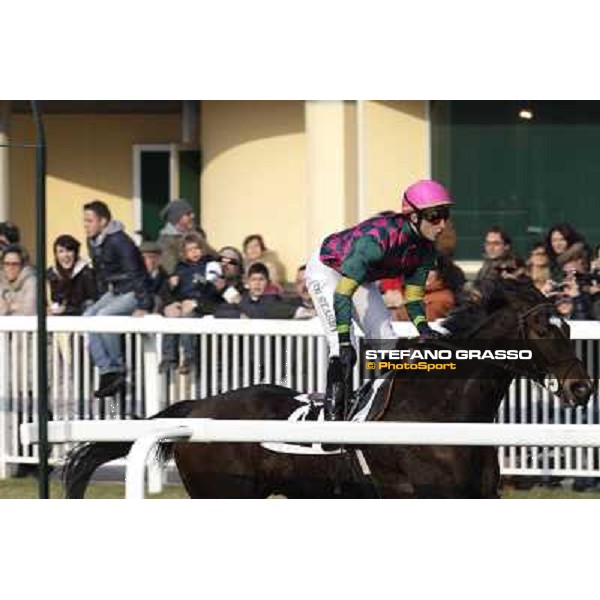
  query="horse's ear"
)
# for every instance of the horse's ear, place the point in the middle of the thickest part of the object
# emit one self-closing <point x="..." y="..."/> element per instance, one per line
<point x="492" y="294"/>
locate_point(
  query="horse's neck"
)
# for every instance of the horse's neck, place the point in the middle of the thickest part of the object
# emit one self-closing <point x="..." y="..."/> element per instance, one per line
<point x="474" y="399"/>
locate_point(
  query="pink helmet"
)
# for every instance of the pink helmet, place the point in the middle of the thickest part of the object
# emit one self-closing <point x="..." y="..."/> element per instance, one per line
<point x="424" y="194"/>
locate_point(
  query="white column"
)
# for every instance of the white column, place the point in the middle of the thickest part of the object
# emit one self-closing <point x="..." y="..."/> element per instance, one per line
<point x="331" y="132"/>
<point x="4" y="160"/>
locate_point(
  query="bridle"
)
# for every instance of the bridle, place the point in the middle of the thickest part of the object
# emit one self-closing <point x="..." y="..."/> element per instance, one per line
<point x="542" y="374"/>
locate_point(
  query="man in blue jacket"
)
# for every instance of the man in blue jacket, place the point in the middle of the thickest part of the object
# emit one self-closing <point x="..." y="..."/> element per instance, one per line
<point x="121" y="279"/>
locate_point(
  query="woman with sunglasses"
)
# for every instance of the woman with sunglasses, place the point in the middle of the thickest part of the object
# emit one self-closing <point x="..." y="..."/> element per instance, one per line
<point x="342" y="276"/>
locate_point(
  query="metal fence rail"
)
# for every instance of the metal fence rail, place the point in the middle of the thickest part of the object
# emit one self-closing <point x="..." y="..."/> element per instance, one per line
<point x="234" y="353"/>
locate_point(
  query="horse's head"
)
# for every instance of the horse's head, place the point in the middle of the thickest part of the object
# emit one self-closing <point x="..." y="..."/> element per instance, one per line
<point x="515" y="309"/>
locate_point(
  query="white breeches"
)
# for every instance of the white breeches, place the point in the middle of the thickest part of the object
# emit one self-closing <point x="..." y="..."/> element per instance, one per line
<point x="368" y="309"/>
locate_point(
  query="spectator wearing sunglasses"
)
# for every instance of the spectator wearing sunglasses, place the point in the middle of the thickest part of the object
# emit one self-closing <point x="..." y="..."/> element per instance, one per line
<point x="342" y="275"/>
<point x="573" y="296"/>
<point x="17" y="283"/>
<point x="231" y="283"/>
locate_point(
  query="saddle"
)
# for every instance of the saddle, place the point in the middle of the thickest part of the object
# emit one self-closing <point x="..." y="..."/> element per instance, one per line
<point x="368" y="403"/>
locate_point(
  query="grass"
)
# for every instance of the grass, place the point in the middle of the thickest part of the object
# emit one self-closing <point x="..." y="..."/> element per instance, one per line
<point x="26" y="488"/>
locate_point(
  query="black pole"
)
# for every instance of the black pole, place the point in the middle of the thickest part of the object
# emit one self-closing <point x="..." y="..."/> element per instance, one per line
<point x="42" y="352"/>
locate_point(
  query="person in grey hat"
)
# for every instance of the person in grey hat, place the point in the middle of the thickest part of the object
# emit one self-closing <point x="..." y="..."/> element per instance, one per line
<point x="180" y="219"/>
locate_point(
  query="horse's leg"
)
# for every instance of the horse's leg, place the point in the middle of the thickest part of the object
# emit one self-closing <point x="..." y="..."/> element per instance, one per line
<point x="490" y="473"/>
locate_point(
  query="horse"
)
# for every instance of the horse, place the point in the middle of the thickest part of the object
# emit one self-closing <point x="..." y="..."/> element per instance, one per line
<point x="510" y="309"/>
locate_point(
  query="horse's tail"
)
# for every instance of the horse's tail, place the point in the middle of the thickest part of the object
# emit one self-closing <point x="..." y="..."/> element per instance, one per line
<point x="85" y="458"/>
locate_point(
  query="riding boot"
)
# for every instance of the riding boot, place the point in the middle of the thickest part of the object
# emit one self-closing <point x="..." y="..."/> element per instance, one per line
<point x="328" y="407"/>
<point x="332" y="405"/>
<point x="339" y="405"/>
<point x="331" y="410"/>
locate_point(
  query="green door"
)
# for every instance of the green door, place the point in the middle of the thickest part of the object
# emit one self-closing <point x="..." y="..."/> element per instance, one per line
<point x="189" y="179"/>
<point x="521" y="174"/>
<point x="155" y="186"/>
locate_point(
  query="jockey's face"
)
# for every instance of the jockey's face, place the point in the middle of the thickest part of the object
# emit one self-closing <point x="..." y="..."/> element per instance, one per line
<point x="428" y="229"/>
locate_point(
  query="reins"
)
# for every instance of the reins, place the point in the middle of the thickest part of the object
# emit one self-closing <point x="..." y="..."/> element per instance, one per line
<point x="538" y="375"/>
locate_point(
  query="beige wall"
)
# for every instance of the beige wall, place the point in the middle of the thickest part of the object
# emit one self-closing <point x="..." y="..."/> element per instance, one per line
<point x="395" y="151"/>
<point x="89" y="156"/>
<point x="290" y="170"/>
<point x="254" y="176"/>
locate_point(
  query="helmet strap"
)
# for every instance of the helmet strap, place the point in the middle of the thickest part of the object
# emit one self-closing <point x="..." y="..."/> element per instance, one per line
<point x="416" y="226"/>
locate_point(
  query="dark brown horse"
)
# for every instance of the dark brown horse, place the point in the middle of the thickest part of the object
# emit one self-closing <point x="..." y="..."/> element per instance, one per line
<point x="508" y="310"/>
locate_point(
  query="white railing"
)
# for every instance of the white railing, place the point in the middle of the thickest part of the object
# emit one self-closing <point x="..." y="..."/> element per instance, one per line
<point x="231" y="354"/>
<point x="147" y="435"/>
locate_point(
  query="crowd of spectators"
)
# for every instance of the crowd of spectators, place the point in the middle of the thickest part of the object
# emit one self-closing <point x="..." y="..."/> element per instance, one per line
<point x="177" y="275"/>
<point x="181" y="275"/>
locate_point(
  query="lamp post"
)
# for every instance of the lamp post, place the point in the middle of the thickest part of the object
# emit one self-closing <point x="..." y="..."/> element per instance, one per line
<point x="42" y="352"/>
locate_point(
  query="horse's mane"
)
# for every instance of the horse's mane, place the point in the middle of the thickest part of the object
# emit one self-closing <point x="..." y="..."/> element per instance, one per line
<point x="492" y="296"/>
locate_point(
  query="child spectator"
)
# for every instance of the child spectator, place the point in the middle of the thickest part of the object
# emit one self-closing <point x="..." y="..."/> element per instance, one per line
<point x="255" y="303"/>
<point x="157" y="275"/>
<point x="72" y="282"/>
<point x="17" y="283"/>
<point x="192" y="294"/>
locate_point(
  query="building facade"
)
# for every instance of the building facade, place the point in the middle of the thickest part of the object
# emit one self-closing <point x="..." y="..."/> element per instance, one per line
<point x="297" y="170"/>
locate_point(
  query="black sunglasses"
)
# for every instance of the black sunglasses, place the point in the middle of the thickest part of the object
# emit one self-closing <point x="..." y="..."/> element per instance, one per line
<point x="436" y="215"/>
<point x="229" y="261"/>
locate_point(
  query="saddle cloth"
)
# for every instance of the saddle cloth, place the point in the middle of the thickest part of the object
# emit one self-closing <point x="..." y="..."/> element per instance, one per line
<point x="368" y="405"/>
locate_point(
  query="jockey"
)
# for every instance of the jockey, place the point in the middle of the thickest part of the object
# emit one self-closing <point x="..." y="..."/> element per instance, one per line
<point x="342" y="278"/>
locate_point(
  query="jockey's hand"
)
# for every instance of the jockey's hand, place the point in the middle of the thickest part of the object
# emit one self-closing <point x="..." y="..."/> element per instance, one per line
<point x="339" y="382"/>
<point x="347" y="359"/>
<point x="426" y="333"/>
<point x="340" y="367"/>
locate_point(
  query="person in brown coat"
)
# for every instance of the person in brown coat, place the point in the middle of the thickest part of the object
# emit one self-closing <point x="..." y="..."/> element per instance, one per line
<point x="17" y="283"/>
<point x="439" y="298"/>
<point x="441" y="289"/>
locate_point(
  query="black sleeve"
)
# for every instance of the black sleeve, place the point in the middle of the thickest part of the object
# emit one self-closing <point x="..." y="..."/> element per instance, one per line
<point x="132" y="266"/>
<point x="582" y="307"/>
<point x="228" y="311"/>
<point x="90" y="287"/>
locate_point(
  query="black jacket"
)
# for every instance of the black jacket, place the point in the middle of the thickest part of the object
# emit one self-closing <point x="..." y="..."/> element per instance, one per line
<point x="196" y="283"/>
<point x="158" y="287"/>
<point x="75" y="292"/>
<point x="268" y="306"/>
<point x="119" y="264"/>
